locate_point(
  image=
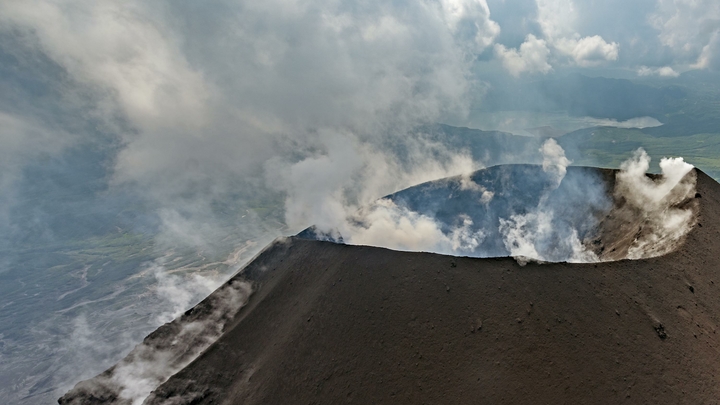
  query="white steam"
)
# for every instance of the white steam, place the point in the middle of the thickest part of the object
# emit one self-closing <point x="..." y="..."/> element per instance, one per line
<point x="180" y="292"/>
<point x="169" y="349"/>
<point x="148" y="366"/>
<point x="521" y="231"/>
<point x="387" y="225"/>
<point x="664" y="222"/>
<point x="174" y="283"/>
<point x="466" y="183"/>
<point x="524" y="234"/>
<point x="648" y="216"/>
<point x="329" y="190"/>
<point x="653" y="212"/>
<point x="554" y="160"/>
<point x="464" y="239"/>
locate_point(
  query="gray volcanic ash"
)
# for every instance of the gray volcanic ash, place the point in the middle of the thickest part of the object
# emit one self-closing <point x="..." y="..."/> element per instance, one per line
<point x="331" y="323"/>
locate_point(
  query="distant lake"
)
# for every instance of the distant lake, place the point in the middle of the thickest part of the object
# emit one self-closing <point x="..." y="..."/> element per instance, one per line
<point x="544" y="124"/>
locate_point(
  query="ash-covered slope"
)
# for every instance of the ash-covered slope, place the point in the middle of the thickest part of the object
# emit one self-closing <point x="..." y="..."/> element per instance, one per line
<point x="333" y="323"/>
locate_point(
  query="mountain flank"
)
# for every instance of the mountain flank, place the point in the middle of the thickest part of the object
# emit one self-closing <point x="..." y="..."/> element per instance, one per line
<point x="334" y="323"/>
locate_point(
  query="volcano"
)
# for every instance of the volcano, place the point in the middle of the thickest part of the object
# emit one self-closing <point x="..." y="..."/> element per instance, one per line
<point x="314" y="321"/>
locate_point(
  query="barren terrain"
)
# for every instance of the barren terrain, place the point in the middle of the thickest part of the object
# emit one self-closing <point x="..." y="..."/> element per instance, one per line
<point x="333" y="323"/>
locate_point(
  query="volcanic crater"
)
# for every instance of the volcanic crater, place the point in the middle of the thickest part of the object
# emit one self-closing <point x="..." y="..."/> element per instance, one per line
<point x="315" y="321"/>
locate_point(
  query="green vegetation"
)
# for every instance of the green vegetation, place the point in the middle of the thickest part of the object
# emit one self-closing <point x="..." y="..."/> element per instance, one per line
<point x="608" y="147"/>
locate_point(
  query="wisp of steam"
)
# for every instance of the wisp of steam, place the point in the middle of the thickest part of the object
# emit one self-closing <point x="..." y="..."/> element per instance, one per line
<point x="551" y="212"/>
<point x="169" y="349"/>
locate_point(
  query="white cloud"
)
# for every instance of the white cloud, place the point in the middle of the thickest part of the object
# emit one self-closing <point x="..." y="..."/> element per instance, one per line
<point x="530" y="57"/>
<point x="678" y="34"/>
<point x="557" y="20"/>
<point x="665" y="71"/>
<point x="686" y="25"/>
<point x="710" y="56"/>
<point x="588" y="51"/>
<point x="689" y="28"/>
<point x="470" y="19"/>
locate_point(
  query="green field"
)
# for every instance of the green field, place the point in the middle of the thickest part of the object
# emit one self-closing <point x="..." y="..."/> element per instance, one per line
<point x="608" y="147"/>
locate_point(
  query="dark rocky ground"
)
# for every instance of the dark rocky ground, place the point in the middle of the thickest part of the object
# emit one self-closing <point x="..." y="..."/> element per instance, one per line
<point x="331" y="323"/>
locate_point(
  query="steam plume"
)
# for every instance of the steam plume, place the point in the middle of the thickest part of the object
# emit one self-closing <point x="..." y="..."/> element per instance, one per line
<point x="575" y="219"/>
<point x="657" y="201"/>
<point x="169" y="349"/>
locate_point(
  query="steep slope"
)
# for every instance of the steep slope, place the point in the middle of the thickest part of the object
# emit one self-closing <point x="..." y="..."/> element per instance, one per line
<point x="331" y="323"/>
